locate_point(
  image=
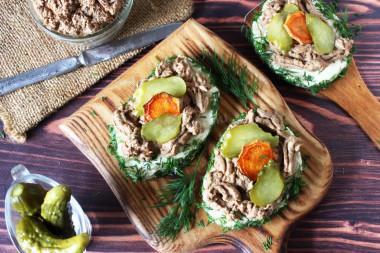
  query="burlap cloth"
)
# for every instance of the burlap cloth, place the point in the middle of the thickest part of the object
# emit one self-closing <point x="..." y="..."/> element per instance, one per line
<point x="23" y="47"/>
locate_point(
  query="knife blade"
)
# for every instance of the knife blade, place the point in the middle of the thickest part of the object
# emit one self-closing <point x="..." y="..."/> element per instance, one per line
<point x="87" y="58"/>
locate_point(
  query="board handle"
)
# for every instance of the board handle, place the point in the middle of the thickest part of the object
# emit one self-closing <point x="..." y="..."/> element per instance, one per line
<point x="353" y="95"/>
<point x="251" y="240"/>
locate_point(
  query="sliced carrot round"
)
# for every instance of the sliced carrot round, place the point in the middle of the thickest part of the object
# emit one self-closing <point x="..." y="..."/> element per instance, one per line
<point x="253" y="157"/>
<point x="160" y="104"/>
<point x="296" y="27"/>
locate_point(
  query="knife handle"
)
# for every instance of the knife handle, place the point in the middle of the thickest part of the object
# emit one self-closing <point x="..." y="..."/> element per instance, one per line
<point x="45" y="72"/>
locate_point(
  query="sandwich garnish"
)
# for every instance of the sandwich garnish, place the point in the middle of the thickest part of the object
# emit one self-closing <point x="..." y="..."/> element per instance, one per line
<point x="254" y="171"/>
<point x="303" y="41"/>
<point x="162" y="127"/>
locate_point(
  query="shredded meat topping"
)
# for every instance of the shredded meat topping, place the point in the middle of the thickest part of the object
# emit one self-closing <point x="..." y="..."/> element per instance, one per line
<point x="304" y="56"/>
<point x="193" y="104"/>
<point x="127" y="125"/>
<point x="270" y="11"/>
<point x="227" y="190"/>
<point x="77" y="17"/>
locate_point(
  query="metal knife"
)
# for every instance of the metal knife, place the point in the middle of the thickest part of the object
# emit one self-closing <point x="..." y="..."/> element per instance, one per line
<point x="87" y="58"/>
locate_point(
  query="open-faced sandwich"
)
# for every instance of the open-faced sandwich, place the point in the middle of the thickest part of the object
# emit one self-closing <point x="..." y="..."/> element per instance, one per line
<point x="252" y="171"/>
<point x="166" y="121"/>
<point x="303" y="41"/>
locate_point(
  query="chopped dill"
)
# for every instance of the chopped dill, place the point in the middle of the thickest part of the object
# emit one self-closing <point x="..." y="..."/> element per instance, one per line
<point x="104" y="98"/>
<point x="93" y="113"/>
<point x="2" y="133"/>
<point x="200" y="224"/>
<point x="96" y="193"/>
<point x="268" y="243"/>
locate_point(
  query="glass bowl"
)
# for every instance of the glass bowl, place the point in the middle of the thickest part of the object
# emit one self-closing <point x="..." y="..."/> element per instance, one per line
<point x="91" y="40"/>
<point x="21" y="174"/>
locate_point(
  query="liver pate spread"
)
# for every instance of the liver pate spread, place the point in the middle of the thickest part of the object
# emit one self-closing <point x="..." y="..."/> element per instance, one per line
<point x="193" y="104"/>
<point x="304" y="56"/>
<point x="77" y="17"/>
<point x="227" y="190"/>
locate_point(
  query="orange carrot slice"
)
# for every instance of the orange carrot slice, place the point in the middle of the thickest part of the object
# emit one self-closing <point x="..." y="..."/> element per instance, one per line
<point x="296" y="27"/>
<point x="253" y="157"/>
<point x="160" y="104"/>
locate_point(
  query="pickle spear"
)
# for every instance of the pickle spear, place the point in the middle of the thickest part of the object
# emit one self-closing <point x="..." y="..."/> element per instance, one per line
<point x="27" y="198"/>
<point x="55" y="211"/>
<point x="34" y="237"/>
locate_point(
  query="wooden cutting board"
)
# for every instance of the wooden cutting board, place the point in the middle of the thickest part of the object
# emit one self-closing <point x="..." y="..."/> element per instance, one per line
<point x="89" y="133"/>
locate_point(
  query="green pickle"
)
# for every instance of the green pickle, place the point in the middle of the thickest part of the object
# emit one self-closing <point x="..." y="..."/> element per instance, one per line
<point x="269" y="185"/>
<point x="276" y="32"/>
<point x="322" y="34"/>
<point x="237" y="137"/>
<point x="162" y="129"/>
<point x="54" y="210"/>
<point x="34" y="237"/>
<point x="174" y="86"/>
<point x="27" y="198"/>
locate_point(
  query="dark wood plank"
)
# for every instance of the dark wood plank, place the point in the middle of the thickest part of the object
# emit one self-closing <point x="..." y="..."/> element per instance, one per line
<point x="346" y="220"/>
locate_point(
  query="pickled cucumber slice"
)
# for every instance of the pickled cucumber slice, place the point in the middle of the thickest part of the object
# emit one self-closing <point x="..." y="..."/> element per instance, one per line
<point x="269" y="185"/>
<point x="277" y="33"/>
<point x="239" y="136"/>
<point x="174" y="86"/>
<point x="322" y="34"/>
<point x="162" y="129"/>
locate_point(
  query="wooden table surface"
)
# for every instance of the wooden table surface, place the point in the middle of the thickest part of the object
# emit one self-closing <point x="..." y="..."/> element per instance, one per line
<point x="347" y="220"/>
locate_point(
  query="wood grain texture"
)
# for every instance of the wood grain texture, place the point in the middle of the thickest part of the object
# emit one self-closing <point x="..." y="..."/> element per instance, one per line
<point x="347" y="219"/>
<point x="353" y="95"/>
<point x="189" y="40"/>
<point x="350" y="93"/>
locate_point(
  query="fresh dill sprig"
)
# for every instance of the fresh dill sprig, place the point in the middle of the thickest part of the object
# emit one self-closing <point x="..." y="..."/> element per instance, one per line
<point x="180" y="191"/>
<point x="231" y="77"/>
<point x="200" y="224"/>
<point x="268" y="243"/>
